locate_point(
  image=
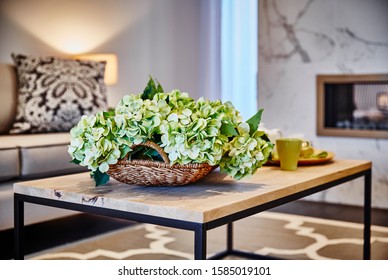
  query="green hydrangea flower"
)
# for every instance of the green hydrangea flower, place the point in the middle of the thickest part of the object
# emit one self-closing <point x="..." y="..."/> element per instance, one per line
<point x="93" y="144"/>
<point x="245" y="154"/>
<point x="189" y="131"/>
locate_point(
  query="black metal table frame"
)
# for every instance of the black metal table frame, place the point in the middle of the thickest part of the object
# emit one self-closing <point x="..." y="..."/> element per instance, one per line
<point x="200" y="229"/>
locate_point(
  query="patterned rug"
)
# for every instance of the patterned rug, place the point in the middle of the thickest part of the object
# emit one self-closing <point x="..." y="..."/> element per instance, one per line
<point x="268" y="233"/>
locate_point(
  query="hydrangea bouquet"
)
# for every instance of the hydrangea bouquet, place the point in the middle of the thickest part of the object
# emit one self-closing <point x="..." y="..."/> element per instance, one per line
<point x="189" y="131"/>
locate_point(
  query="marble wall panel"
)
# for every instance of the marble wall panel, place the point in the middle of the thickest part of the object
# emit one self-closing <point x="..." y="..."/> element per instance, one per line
<point x="299" y="39"/>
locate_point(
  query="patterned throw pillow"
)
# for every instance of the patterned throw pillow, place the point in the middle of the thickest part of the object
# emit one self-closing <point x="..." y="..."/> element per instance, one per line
<point x="54" y="93"/>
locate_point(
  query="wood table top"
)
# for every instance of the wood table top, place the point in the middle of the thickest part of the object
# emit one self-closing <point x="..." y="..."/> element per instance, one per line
<point x="215" y="196"/>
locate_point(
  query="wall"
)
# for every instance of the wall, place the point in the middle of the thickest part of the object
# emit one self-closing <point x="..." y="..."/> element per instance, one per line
<point x="158" y="38"/>
<point x="299" y="39"/>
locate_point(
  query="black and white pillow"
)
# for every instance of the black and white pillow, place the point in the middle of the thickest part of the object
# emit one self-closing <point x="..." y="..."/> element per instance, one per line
<point x="54" y="93"/>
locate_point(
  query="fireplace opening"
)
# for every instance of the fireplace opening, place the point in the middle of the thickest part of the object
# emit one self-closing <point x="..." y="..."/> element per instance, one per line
<point x="352" y="105"/>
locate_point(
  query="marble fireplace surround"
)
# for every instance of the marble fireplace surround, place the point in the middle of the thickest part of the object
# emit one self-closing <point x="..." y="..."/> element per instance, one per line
<point x="300" y="39"/>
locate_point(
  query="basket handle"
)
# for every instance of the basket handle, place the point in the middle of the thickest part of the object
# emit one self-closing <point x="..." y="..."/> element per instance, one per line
<point x="156" y="147"/>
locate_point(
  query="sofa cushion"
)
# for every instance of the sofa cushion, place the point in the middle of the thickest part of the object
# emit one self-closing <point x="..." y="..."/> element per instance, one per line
<point x="54" y="93"/>
<point x="34" y="140"/>
<point x="9" y="163"/>
<point x="43" y="161"/>
<point x="42" y="154"/>
<point x="8" y="97"/>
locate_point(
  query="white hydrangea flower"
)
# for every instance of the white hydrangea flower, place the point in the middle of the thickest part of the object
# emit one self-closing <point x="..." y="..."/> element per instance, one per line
<point x="189" y="131"/>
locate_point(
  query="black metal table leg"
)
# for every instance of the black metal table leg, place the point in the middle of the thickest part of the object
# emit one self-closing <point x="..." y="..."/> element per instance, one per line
<point x="200" y="242"/>
<point x="229" y="236"/>
<point x="18" y="229"/>
<point x="367" y="214"/>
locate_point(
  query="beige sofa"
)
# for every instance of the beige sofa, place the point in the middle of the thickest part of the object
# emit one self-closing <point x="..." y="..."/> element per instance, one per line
<point x="25" y="157"/>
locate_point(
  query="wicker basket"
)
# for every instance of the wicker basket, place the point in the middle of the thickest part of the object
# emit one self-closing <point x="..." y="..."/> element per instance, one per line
<point x="156" y="173"/>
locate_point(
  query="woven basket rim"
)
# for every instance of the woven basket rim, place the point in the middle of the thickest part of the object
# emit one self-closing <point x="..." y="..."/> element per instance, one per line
<point x="161" y="164"/>
<point x="147" y="172"/>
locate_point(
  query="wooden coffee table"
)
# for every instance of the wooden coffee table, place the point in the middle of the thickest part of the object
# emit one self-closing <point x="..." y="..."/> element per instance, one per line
<point x="213" y="201"/>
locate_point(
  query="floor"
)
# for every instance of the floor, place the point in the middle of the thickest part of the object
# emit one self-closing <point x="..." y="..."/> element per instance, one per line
<point x="50" y="234"/>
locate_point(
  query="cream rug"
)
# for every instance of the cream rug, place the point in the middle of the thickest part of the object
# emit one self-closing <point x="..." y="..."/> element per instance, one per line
<point x="268" y="233"/>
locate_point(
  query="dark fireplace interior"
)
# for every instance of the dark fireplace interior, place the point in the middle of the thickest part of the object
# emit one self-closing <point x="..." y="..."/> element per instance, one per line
<point x="356" y="106"/>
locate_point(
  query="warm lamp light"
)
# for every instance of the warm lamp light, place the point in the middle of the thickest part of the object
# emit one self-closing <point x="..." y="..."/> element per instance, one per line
<point x="110" y="67"/>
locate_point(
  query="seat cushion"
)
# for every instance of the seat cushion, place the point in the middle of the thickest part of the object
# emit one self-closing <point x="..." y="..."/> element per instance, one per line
<point x="34" y="140"/>
<point x="45" y="161"/>
<point x="41" y="154"/>
<point x="9" y="163"/>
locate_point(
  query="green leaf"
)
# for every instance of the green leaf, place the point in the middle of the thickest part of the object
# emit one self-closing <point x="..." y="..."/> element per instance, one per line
<point x="254" y="122"/>
<point x="134" y="154"/>
<point x="152" y="155"/>
<point x="151" y="89"/>
<point x="76" y="161"/>
<point x="100" y="178"/>
<point x="124" y="150"/>
<point x="109" y="113"/>
<point x="228" y="130"/>
<point x="159" y="89"/>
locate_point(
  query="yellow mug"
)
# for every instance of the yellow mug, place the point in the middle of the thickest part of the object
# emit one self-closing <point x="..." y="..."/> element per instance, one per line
<point x="288" y="150"/>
